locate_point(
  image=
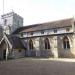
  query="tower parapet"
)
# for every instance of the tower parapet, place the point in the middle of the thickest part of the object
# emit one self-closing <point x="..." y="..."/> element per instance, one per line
<point x="11" y="21"/>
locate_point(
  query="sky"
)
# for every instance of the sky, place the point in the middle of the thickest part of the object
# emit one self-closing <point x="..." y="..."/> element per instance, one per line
<point x="39" y="11"/>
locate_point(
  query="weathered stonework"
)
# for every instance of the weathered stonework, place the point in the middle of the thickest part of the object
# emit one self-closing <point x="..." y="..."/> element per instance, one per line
<point x="53" y="39"/>
<point x="65" y="52"/>
<point x="56" y="45"/>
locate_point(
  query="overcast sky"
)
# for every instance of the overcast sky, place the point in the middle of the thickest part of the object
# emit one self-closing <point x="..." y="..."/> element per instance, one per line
<point x="37" y="11"/>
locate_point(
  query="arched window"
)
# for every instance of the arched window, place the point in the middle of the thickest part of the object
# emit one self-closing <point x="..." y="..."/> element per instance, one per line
<point x="47" y="44"/>
<point x="66" y="44"/>
<point x="31" y="44"/>
<point x="5" y="21"/>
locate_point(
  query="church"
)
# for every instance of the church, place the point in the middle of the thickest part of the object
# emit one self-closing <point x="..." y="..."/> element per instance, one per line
<point x="54" y="39"/>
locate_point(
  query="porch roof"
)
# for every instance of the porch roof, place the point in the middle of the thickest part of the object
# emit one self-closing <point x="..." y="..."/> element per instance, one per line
<point x="15" y="41"/>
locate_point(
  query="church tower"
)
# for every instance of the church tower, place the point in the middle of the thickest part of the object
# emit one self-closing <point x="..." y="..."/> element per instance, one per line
<point x="11" y="21"/>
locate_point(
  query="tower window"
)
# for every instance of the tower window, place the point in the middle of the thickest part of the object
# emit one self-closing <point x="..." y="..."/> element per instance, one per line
<point x="18" y="22"/>
<point x="5" y="21"/>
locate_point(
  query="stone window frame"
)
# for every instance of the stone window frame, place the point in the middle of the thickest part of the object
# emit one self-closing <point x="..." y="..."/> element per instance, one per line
<point x="5" y="21"/>
<point x="31" y="47"/>
<point x="67" y="29"/>
<point x="47" y="43"/>
<point x="55" y="30"/>
<point x="66" y="43"/>
<point x="42" y="32"/>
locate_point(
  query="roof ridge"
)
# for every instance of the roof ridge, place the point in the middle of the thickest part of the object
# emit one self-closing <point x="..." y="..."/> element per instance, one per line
<point x="48" y="25"/>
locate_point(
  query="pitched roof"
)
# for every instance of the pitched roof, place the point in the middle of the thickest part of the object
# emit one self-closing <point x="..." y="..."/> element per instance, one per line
<point x="48" y="25"/>
<point x="15" y="42"/>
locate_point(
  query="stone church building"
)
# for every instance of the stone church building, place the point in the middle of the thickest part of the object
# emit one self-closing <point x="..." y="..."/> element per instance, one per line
<point x="50" y="39"/>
